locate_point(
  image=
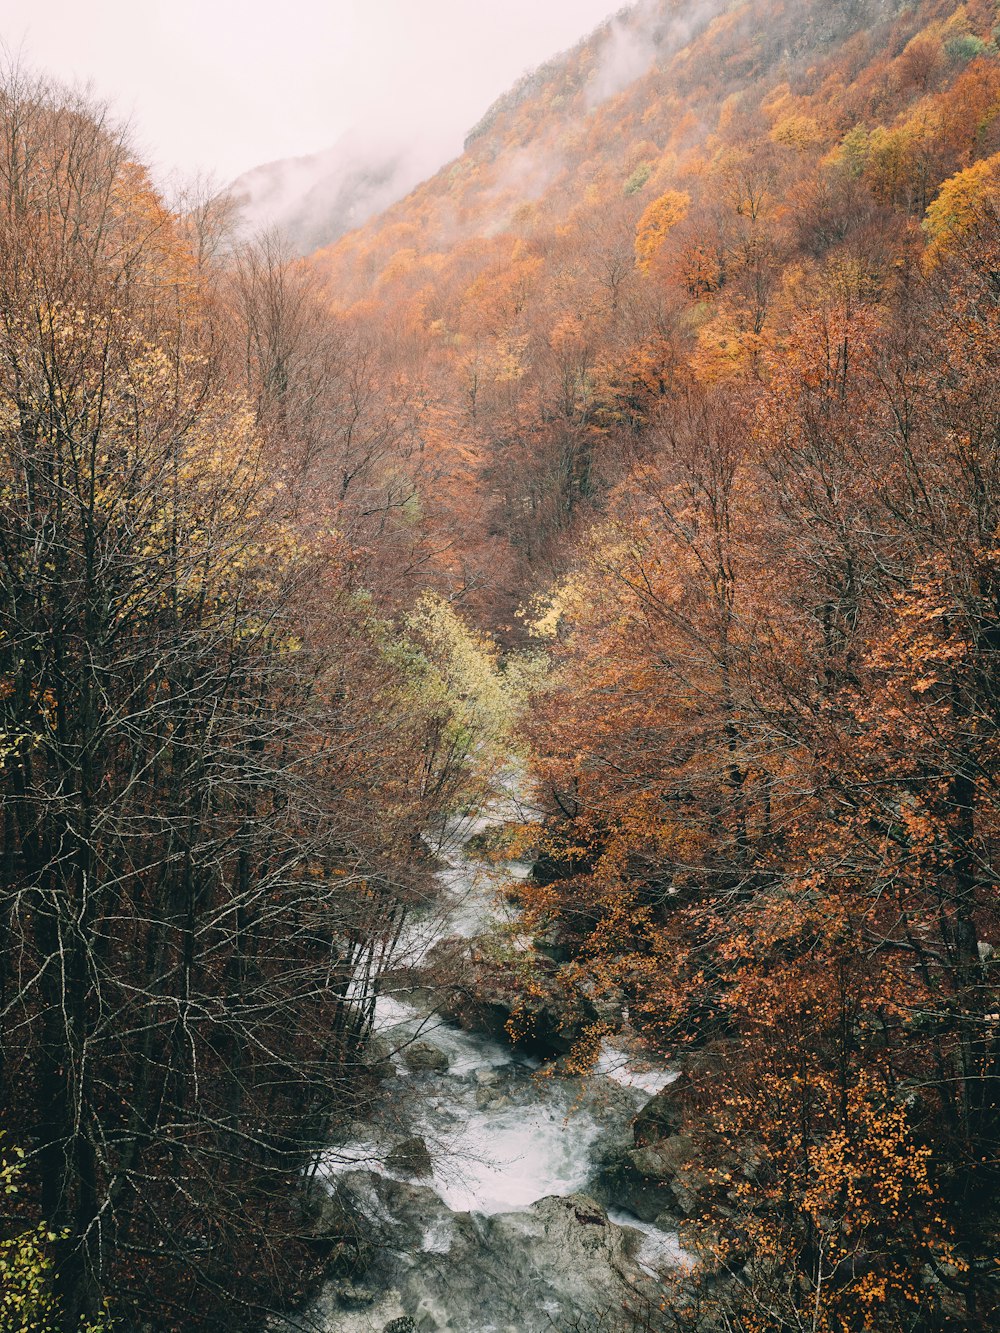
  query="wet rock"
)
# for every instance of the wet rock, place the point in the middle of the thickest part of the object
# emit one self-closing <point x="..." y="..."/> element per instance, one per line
<point x="553" y="946"/>
<point x="559" y="1264"/>
<point x="548" y="1018"/>
<point x="604" y="1005"/>
<point x="660" y="1118"/>
<point x="652" y="1182"/>
<point x="410" y="1158"/>
<point x="422" y="1057"/>
<point x="322" y="1213"/>
<point x="355" y="1297"/>
<point x="667" y="1165"/>
<point x="565" y="1259"/>
<point x="490" y="1096"/>
<point x="400" y="1216"/>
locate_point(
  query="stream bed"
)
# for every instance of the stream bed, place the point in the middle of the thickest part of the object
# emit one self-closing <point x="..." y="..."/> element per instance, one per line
<point x="472" y="1176"/>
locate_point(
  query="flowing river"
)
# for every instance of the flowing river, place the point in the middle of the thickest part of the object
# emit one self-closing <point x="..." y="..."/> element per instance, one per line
<point x="472" y="1174"/>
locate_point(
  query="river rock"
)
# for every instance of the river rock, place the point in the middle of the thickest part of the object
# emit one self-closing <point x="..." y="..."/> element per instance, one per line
<point x="550" y="1018"/>
<point x="422" y="1057"/>
<point x="605" y="1004"/>
<point x="560" y="1264"/>
<point x="564" y="1258"/>
<point x="489" y="1096"/>
<point x="377" y="1058"/>
<point x="551" y="943"/>
<point x="660" y="1118"/>
<point x="410" y="1158"/>
<point x="353" y="1296"/>
<point x="655" y="1182"/>
<point x="406" y="1210"/>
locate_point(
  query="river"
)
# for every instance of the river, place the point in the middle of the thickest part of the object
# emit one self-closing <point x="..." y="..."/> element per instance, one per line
<point x="496" y="1232"/>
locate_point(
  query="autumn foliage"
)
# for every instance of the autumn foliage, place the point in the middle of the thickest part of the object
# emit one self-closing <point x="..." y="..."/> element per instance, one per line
<point x="686" y="378"/>
<point x="724" y="364"/>
<point x="219" y="742"/>
<point x="771" y="749"/>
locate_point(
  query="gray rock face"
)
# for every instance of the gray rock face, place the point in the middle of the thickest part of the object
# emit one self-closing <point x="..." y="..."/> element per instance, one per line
<point x="558" y="1264"/>
<point x="659" y="1118"/>
<point x="567" y="1257"/>
<point x="423" y="1057"/>
<point x="653" y="1182"/>
<point x="550" y="1018"/>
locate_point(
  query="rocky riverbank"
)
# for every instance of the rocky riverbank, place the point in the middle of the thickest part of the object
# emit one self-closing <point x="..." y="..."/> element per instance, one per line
<point x="488" y="1192"/>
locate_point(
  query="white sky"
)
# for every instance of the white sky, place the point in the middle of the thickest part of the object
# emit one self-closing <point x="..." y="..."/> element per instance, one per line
<point x="218" y="86"/>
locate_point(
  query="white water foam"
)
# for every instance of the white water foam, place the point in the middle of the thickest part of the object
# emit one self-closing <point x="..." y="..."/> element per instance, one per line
<point x="629" y="1071"/>
<point x="505" y="1159"/>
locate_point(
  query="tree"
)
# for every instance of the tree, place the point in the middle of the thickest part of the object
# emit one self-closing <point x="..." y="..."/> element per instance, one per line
<point x="27" y="1300"/>
<point x="659" y="219"/>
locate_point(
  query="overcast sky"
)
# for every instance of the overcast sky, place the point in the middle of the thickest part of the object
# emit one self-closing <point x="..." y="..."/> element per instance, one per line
<point x="218" y="86"/>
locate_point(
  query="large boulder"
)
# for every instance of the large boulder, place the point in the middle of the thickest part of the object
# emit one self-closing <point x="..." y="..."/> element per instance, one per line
<point x="422" y="1057"/>
<point x="547" y="1018"/>
<point x="410" y="1158"/>
<point x="566" y="1257"/>
<point x="560" y="1264"/>
<point x="655" y="1183"/>
<point x="661" y="1117"/>
<point x="603" y="1004"/>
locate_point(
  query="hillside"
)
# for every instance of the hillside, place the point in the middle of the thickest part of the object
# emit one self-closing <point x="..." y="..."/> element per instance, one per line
<point x="753" y="146"/>
<point x="700" y="337"/>
<point x="559" y="618"/>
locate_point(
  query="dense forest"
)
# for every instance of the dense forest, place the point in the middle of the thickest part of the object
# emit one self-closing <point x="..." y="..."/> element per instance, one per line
<point x="221" y="734"/>
<point x="655" y="440"/>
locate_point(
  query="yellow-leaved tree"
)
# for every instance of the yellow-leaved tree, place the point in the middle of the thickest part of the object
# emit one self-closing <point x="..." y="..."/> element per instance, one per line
<point x="28" y="1302"/>
<point x="659" y="219"/>
<point x="960" y="204"/>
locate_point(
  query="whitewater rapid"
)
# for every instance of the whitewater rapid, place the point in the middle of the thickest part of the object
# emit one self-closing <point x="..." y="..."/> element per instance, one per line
<point x="502" y="1132"/>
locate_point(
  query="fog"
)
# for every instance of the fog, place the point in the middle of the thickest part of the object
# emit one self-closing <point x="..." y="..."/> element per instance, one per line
<point x="216" y="87"/>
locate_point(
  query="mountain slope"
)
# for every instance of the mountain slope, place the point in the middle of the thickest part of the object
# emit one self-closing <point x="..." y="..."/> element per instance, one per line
<point x="703" y="332"/>
<point x="650" y="200"/>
